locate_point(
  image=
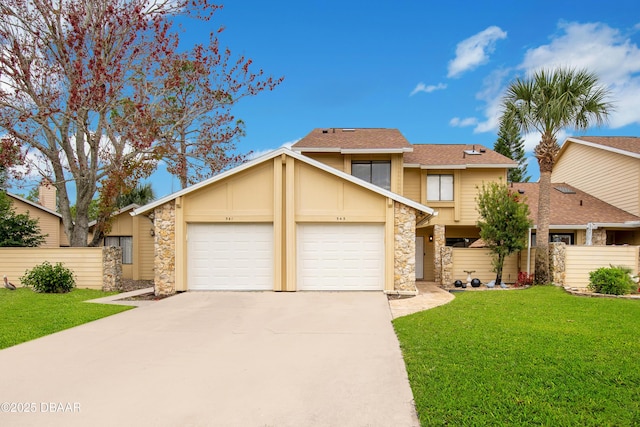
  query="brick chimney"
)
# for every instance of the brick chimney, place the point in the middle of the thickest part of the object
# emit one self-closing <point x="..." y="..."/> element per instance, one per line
<point x="47" y="196"/>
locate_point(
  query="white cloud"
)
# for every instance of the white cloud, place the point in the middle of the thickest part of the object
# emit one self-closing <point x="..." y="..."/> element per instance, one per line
<point x="593" y="46"/>
<point x="474" y="51"/>
<point x="461" y="123"/>
<point x="421" y="87"/>
<point x="602" y="50"/>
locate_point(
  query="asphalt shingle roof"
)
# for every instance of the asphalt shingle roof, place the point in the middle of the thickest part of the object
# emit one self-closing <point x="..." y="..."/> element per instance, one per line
<point x="625" y="143"/>
<point x="359" y="138"/>
<point x="454" y="154"/>
<point x="575" y="208"/>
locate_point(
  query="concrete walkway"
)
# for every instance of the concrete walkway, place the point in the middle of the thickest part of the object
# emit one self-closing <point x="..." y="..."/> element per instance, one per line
<point x="217" y="359"/>
<point x="430" y="295"/>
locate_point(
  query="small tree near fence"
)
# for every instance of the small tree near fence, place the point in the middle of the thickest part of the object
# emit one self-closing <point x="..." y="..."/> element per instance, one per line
<point x="503" y="222"/>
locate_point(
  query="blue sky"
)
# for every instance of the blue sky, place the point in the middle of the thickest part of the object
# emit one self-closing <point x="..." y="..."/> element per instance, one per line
<point x="434" y="70"/>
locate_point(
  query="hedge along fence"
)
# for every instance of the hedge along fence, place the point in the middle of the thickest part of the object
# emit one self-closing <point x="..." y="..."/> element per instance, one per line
<point x="93" y="268"/>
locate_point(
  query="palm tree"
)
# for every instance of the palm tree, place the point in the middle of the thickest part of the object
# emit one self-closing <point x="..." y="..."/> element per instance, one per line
<point x="548" y="102"/>
<point x="140" y="195"/>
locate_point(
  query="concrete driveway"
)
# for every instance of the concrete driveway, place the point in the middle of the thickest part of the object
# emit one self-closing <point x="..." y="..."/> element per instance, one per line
<point x="217" y="359"/>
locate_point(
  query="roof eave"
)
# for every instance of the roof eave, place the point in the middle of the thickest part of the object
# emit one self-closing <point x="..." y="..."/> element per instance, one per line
<point x="601" y="147"/>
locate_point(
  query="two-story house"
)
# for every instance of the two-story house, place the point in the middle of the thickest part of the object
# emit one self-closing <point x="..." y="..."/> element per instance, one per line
<point x="444" y="177"/>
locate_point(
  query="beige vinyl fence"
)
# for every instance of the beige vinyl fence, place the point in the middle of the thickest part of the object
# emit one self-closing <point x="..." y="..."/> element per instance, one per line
<point x="86" y="263"/>
<point x="581" y="260"/>
<point x="479" y="260"/>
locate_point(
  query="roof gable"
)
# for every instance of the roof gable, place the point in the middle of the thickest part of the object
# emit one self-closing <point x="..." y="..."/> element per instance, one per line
<point x="343" y="140"/>
<point x="33" y="204"/>
<point x="625" y="145"/>
<point x="279" y="152"/>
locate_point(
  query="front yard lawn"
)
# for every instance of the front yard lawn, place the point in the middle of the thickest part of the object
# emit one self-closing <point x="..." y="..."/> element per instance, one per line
<point x="530" y="357"/>
<point x="27" y="315"/>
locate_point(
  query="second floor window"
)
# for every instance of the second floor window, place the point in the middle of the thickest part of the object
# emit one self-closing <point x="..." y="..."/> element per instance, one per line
<point x="375" y="172"/>
<point x="440" y="188"/>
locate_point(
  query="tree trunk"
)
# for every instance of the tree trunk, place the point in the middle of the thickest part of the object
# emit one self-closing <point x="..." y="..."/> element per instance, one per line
<point x="542" y="276"/>
<point x="499" y="267"/>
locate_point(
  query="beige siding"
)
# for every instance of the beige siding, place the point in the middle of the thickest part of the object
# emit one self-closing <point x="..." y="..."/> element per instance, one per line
<point x="412" y="186"/>
<point x="49" y="224"/>
<point x="247" y="196"/>
<point x="335" y="160"/>
<point x="334" y="199"/>
<point x="145" y="249"/>
<point x="139" y="228"/>
<point x="86" y="263"/>
<point x="611" y="177"/>
<point x="480" y="261"/>
<point x="471" y="181"/>
<point x="581" y="260"/>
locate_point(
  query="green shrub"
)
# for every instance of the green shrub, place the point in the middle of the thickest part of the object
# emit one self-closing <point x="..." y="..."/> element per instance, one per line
<point x="614" y="280"/>
<point x="49" y="278"/>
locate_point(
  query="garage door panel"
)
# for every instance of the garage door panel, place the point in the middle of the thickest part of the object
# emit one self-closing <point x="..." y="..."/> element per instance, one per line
<point x="230" y="256"/>
<point x="340" y="257"/>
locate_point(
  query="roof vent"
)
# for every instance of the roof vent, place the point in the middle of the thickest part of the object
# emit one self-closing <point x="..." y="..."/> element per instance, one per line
<point x="348" y="130"/>
<point x="521" y="191"/>
<point x="325" y="131"/>
<point x="473" y="152"/>
<point x="564" y="189"/>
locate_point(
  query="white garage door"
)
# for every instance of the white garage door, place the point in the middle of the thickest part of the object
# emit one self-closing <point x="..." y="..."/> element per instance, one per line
<point x="340" y="257"/>
<point x="230" y="256"/>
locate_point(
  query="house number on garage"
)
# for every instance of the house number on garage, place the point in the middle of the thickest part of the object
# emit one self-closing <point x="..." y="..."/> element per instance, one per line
<point x="341" y="218"/>
<point x="229" y="218"/>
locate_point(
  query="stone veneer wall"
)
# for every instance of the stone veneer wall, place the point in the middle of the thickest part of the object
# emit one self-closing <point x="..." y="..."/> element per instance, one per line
<point x="439" y="243"/>
<point x="557" y="257"/>
<point x="404" y="260"/>
<point x="446" y="259"/>
<point x="164" y="221"/>
<point x="599" y="237"/>
<point x="111" y="268"/>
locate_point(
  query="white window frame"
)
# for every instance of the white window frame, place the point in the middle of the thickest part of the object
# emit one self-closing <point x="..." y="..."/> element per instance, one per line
<point x="440" y="187"/>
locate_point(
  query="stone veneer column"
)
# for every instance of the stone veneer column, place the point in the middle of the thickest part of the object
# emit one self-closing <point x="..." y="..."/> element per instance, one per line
<point x="557" y="256"/>
<point x="165" y="249"/>
<point x="446" y="260"/>
<point x="404" y="248"/>
<point x="111" y="268"/>
<point x="439" y="242"/>
<point x="599" y="237"/>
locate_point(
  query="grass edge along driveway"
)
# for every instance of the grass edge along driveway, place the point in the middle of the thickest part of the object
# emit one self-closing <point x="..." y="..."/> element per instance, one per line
<point x="529" y="357"/>
<point x="27" y="315"/>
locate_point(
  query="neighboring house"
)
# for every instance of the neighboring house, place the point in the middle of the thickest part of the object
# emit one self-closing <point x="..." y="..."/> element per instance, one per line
<point x="49" y="220"/>
<point x="134" y="234"/>
<point x="287" y="222"/>
<point x="578" y="218"/>
<point x="443" y="177"/>
<point x="607" y="167"/>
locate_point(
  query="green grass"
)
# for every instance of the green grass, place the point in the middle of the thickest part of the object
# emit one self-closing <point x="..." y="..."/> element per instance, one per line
<point x="27" y="315"/>
<point x="531" y="357"/>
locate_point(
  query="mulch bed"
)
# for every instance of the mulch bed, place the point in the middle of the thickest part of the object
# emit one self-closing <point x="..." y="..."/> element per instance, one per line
<point x="134" y="285"/>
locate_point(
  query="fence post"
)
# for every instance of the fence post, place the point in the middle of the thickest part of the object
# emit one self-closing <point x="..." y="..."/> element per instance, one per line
<point x="111" y="268"/>
<point x="557" y="262"/>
